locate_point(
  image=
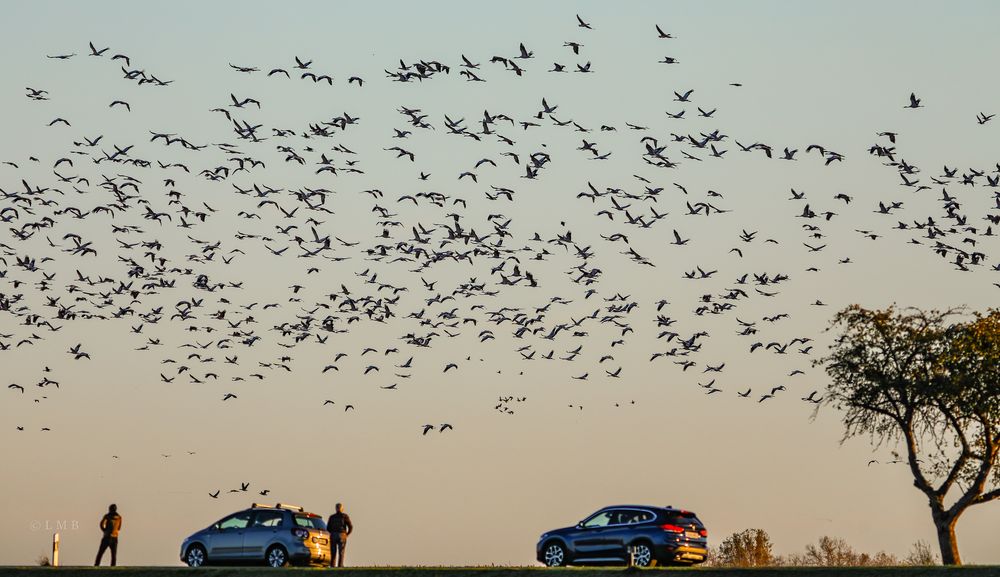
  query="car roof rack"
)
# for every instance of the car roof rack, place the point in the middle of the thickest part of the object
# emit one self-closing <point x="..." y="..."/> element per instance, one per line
<point x="278" y="506"/>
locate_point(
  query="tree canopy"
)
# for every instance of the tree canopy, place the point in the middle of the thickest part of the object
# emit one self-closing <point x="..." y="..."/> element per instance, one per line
<point x="929" y="380"/>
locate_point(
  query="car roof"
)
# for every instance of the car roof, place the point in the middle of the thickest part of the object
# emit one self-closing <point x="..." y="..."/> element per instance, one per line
<point x="655" y="507"/>
<point x="306" y="513"/>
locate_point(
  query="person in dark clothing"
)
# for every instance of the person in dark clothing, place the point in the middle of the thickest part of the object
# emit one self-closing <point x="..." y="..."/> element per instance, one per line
<point x="339" y="525"/>
<point x="111" y="524"/>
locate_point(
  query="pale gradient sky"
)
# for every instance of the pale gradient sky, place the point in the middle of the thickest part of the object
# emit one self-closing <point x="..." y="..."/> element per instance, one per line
<point x="825" y="73"/>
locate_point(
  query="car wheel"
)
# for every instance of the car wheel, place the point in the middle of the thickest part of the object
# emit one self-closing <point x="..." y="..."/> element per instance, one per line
<point x="642" y="555"/>
<point x="276" y="556"/>
<point x="195" y="556"/>
<point x="554" y="555"/>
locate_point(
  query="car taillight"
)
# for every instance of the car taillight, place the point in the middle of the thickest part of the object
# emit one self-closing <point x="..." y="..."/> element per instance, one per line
<point x="703" y="533"/>
<point x="300" y="533"/>
<point x="672" y="528"/>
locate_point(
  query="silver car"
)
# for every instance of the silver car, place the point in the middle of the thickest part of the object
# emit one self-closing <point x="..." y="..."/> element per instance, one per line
<point x="277" y="535"/>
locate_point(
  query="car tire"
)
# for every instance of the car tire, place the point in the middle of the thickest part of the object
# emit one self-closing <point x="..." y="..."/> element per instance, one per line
<point x="643" y="554"/>
<point x="195" y="556"/>
<point x="276" y="556"/>
<point x="554" y="554"/>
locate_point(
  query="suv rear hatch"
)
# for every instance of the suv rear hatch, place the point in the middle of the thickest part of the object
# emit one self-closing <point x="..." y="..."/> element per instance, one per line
<point x="314" y="528"/>
<point x="686" y="525"/>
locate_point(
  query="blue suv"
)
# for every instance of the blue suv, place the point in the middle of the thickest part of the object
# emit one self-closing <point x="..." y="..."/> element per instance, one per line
<point x="649" y="535"/>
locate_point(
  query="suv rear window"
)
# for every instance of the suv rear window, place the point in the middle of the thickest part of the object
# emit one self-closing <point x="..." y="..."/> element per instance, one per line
<point x="681" y="519"/>
<point x="310" y="522"/>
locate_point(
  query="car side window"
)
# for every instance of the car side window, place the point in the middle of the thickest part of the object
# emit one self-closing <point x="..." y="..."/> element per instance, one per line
<point x="641" y="517"/>
<point x="237" y="521"/>
<point x="621" y="517"/>
<point x="268" y="519"/>
<point x="601" y="519"/>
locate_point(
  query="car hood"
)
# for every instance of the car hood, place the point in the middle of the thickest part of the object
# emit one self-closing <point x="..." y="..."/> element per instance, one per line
<point x="561" y="531"/>
<point x="198" y="533"/>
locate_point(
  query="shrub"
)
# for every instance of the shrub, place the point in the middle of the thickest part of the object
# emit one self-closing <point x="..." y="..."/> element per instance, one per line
<point x="836" y="552"/>
<point x="748" y="548"/>
<point x="921" y="554"/>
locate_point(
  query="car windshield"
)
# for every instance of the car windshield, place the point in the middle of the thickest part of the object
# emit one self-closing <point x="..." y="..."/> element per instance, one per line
<point x="310" y="522"/>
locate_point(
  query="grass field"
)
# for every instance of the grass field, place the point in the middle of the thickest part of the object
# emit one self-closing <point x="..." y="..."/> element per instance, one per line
<point x="966" y="571"/>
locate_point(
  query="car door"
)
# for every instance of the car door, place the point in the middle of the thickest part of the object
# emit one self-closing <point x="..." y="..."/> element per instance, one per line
<point x="226" y="542"/>
<point x="616" y="534"/>
<point x="590" y="539"/>
<point x="622" y="530"/>
<point x="263" y="531"/>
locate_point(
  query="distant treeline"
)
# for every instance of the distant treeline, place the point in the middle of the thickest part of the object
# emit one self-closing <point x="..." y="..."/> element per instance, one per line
<point x="753" y="548"/>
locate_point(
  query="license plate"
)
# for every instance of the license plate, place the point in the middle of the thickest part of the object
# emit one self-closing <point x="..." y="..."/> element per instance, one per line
<point x="691" y="535"/>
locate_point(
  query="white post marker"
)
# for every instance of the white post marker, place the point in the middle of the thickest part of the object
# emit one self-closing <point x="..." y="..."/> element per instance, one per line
<point x="55" y="550"/>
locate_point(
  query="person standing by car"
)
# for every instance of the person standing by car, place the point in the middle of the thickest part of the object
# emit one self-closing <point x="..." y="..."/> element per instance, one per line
<point x="111" y="524"/>
<point x="339" y="525"/>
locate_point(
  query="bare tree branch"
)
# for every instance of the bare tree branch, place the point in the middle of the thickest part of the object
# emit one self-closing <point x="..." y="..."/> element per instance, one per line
<point x="962" y="459"/>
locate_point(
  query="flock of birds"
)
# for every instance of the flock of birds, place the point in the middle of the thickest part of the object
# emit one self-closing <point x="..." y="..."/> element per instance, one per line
<point x="158" y="283"/>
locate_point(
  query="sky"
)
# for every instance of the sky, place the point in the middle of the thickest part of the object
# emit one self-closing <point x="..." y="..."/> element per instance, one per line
<point x="481" y="493"/>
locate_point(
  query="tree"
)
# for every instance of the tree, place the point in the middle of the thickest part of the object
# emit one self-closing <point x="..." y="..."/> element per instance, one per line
<point x="748" y="548"/>
<point x="931" y="382"/>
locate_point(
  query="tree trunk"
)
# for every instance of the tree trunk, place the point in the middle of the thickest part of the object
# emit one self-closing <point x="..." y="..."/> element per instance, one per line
<point x="946" y="539"/>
